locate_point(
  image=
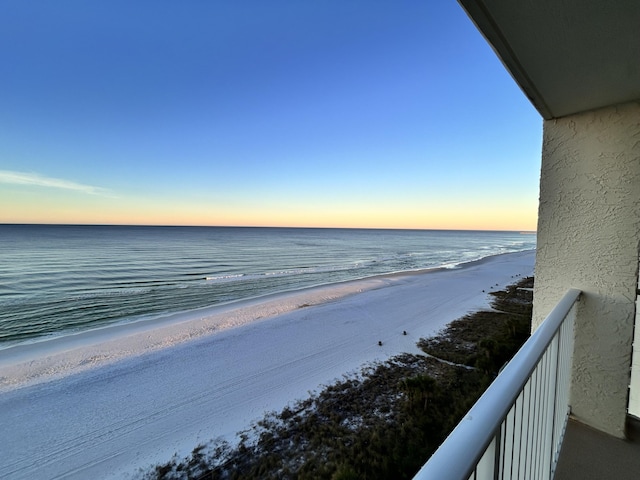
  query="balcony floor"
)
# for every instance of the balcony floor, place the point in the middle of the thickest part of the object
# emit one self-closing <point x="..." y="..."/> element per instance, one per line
<point x="589" y="454"/>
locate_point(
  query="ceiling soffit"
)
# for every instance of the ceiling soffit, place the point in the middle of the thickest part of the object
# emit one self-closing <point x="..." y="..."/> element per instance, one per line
<point x="567" y="56"/>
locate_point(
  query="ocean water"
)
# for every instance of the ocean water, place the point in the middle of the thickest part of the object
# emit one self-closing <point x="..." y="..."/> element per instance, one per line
<point x="58" y="279"/>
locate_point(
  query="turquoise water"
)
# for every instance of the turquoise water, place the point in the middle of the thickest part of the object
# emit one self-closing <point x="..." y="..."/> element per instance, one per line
<point x="56" y="279"/>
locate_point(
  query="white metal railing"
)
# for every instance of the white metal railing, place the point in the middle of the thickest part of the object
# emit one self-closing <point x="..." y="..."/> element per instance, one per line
<point x="516" y="428"/>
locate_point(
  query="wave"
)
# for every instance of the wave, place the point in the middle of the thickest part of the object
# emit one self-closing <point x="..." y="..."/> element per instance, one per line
<point x="283" y="273"/>
<point x="225" y="278"/>
<point x="121" y="292"/>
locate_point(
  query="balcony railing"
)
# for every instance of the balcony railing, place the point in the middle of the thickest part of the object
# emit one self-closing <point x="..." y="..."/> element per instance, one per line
<point x="515" y="430"/>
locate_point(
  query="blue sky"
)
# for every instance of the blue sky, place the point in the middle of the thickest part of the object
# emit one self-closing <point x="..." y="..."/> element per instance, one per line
<point x="327" y="113"/>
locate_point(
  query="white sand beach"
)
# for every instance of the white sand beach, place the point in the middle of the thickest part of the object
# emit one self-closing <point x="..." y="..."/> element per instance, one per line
<point x="103" y="403"/>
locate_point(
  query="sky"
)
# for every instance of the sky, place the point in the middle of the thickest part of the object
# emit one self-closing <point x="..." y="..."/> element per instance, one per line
<point x="333" y="113"/>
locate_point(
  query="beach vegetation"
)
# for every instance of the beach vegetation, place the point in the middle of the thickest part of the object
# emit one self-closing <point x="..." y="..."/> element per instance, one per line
<point x="382" y="423"/>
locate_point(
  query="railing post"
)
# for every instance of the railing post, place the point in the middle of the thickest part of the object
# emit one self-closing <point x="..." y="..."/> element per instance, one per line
<point x="555" y="402"/>
<point x="498" y="453"/>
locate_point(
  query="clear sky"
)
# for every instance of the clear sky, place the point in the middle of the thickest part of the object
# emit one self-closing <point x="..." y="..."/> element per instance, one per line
<point x="335" y="113"/>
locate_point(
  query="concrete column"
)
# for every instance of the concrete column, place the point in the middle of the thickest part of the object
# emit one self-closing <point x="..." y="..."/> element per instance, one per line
<point x="589" y="238"/>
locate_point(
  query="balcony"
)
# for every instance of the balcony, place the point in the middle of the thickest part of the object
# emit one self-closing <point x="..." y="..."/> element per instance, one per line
<point x="588" y="454"/>
<point x="520" y="428"/>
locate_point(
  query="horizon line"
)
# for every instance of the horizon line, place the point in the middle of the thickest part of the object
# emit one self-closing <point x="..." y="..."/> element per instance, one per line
<point x="523" y="231"/>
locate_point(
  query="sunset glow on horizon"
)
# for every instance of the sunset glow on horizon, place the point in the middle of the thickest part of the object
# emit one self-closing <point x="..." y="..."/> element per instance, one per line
<point x="350" y="115"/>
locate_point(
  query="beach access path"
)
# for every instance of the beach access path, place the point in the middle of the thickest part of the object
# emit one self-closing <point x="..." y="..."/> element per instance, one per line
<point x="104" y="404"/>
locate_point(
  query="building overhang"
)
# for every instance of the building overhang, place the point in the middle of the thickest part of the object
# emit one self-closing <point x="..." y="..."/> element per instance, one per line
<point x="568" y="56"/>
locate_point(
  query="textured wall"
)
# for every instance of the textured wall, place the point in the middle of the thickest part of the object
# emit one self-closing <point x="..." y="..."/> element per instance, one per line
<point x="589" y="238"/>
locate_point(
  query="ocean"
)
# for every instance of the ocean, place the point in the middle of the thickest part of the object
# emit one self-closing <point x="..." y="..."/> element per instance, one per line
<point x="60" y="279"/>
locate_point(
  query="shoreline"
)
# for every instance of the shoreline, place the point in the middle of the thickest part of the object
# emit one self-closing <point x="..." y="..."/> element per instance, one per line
<point x="159" y="320"/>
<point x="47" y="359"/>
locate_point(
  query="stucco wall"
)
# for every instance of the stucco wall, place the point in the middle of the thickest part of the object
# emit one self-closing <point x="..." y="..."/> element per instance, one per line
<point x="589" y="238"/>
